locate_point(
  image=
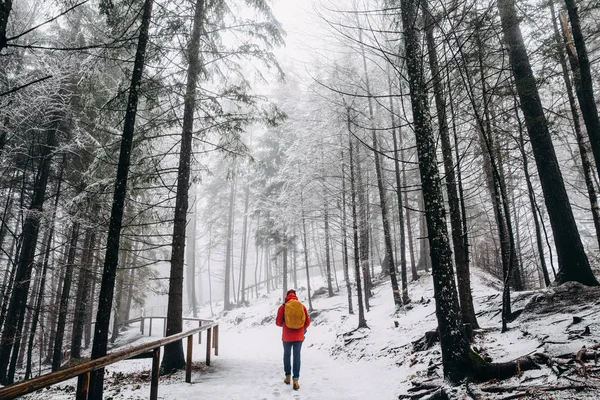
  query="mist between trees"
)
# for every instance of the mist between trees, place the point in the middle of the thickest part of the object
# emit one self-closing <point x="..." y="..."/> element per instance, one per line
<point x="160" y="155"/>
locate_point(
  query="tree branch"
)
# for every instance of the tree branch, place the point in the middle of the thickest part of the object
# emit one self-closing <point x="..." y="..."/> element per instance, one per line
<point x="25" y="85"/>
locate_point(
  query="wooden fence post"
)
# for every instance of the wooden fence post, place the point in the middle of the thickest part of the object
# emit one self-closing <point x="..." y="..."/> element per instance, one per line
<point x="216" y="340"/>
<point x="83" y="386"/>
<point x="142" y="326"/>
<point x="150" y="329"/>
<point x="188" y="359"/>
<point x="208" y="334"/>
<point x="200" y="334"/>
<point x="155" y="374"/>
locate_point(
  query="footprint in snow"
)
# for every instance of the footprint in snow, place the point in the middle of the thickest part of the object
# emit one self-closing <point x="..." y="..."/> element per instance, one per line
<point x="276" y="393"/>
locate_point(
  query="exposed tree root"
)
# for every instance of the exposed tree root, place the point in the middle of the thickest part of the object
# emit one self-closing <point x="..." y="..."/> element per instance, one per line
<point x="485" y="371"/>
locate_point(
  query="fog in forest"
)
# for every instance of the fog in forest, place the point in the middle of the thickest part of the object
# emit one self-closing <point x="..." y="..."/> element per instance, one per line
<point x="424" y="173"/>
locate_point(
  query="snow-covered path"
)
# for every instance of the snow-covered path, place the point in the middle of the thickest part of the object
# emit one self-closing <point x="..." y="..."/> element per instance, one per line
<point x="249" y="366"/>
<point x="339" y="362"/>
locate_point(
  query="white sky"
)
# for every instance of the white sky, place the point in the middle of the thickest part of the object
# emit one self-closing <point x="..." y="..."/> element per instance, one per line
<point x="306" y="34"/>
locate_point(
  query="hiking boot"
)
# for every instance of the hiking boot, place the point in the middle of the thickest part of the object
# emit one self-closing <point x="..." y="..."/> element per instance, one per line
<point x="296" y="384"/>
<point x="287" y="380"/>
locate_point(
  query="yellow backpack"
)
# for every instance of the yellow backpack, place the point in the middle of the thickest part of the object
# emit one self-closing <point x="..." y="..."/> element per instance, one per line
<point x="294" y="316"/>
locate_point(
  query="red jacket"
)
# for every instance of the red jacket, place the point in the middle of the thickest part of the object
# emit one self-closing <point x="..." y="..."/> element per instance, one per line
<point x="291" y="335"/>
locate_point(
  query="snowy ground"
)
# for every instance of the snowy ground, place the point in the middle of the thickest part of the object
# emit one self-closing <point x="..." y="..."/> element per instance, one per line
<point x="339" y="362"/>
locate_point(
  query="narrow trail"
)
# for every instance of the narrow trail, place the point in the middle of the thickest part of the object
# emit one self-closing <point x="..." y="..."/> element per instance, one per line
<point x="249" y="366"/>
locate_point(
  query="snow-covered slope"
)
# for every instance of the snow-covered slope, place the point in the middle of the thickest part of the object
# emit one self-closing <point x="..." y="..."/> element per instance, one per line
<point x="340" y="362"/>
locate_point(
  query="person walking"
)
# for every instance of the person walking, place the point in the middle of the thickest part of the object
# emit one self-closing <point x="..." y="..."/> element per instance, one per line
<point x="293" y="318"/>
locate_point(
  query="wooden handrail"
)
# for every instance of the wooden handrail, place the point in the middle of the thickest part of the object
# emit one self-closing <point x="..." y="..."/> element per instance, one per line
<point x="82" y="370"/>
<point x="142" y="319"/>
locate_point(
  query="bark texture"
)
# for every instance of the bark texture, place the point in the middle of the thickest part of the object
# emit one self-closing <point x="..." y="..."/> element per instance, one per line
<point x="455" y="346"/>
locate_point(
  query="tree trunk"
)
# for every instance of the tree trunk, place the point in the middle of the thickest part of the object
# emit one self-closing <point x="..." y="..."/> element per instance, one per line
<point x="42" y="287"/>
<point x="497" y="188"/>
<point x="494" y="179"/>
<point x="173" y="355"/>
<point x="327" y="241"/>
<point x="90" y="305"/>
<point x="332" y="247"/>
<point x="397" y="170"/>
<point x="316" y="246"/>
<point x="208" y="271"/>
<point x="295" y="264"/>
<point x="398" y="298"/>
<point x="130" y="289"/>
<point x="228" y="251"/>
<point x="573" y="262"/>
<point x="389" y="252"/>
<point x="191" y="258"/>
<point x="461" y="195"/>
<point x="461" y="259"/>
<point x="424" y="250"/>
<point x="345" y="235"/>
<point x="83" y="287"/>
<point x="58" y="275"/>
<point x="455" y="347"/>
<point x="18" y="356"/>
<point x="245" y="244"/>
<point x="64" y="299"/>
<point x="362" y="322"/>
<point x="5" y="8"/>
<point x="111" y="259"/>
<point x="286" y="270"/>
<point x="257" y="259"/>
<point x="363" y="228"/>
<point x="579" y="136"/>
<point x="118" y="306"/>
<point x="267" y="268"/>
<point x="18" y="300"/>
<point x="305" y="245"/>
<point x="516" y="279"/>
<point x="409" y="230"/>
<point x="584" y="83"/>
<point x="5" y="221"/>
<point x="531" y="196"/>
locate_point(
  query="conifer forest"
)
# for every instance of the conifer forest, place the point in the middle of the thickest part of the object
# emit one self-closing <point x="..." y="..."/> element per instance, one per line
<point x="198" y="158"/>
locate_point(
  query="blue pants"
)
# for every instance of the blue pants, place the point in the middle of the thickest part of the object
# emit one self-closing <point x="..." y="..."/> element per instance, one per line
<point x="287" y="353"/>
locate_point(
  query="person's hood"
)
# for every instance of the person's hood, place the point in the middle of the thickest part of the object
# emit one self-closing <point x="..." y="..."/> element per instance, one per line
<point x="291" y="296"/>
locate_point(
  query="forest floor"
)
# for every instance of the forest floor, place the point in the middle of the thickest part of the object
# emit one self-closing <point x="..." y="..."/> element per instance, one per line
<point x="387" y="360"/>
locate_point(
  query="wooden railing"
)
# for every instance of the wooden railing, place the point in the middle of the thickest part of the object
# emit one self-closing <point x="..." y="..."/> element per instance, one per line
<point x="142" y="321"/>
<point x="146" y="350"/>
